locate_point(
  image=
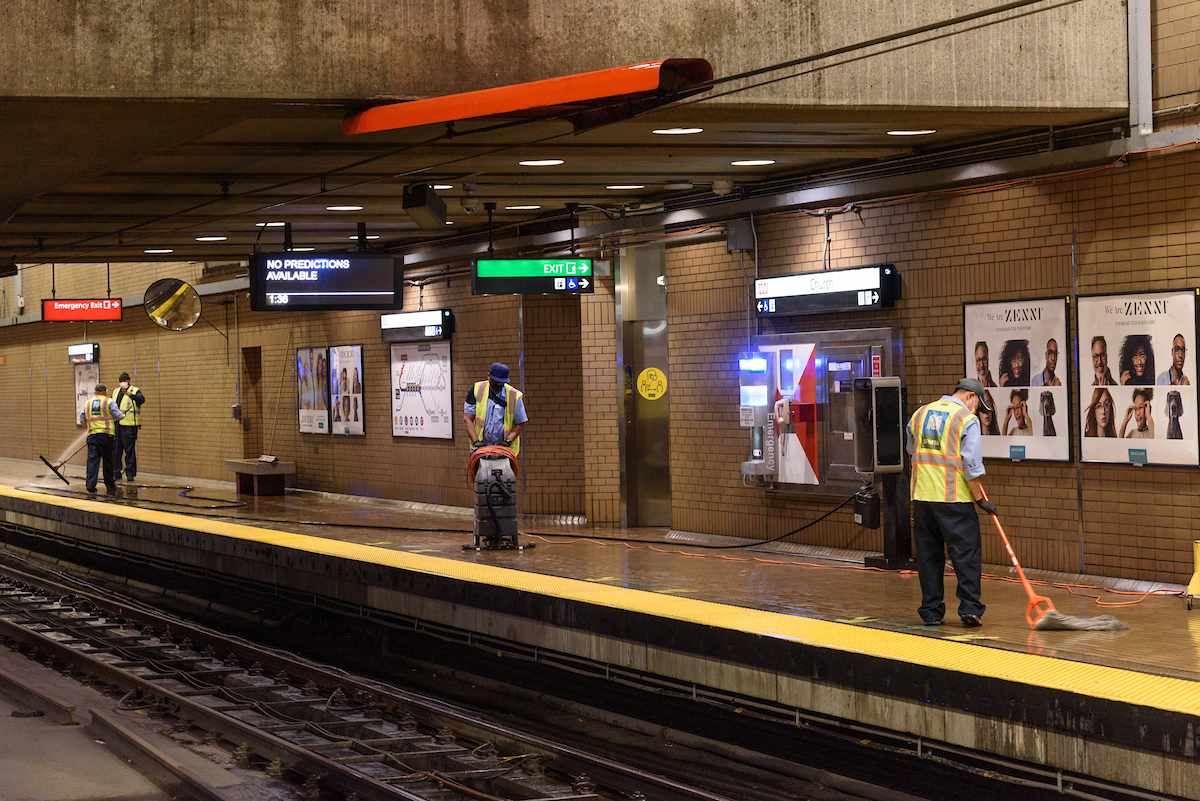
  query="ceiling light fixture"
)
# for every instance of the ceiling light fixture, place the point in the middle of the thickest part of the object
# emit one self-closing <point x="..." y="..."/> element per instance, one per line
<point x="369" y="236"/>
<point x="157" y="251"/>
<point x="921" y="132"/>
<point x="541" y="162"/>
<point x="443" y="186"/>
<point x="677" y="131"/>
<point x="752" y="162"/>
<point x="343" y="208"/>
<point x="211" y="238"/>
<point x="303" y="250"/>
<point x="449" y="222"/>
<point x="521" y="208"/>
<point x="625" y="186"/>
<point x="270" y="225"/>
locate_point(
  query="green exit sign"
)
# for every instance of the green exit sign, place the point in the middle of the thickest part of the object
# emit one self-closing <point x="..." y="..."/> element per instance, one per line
<point x="531" y="276"/>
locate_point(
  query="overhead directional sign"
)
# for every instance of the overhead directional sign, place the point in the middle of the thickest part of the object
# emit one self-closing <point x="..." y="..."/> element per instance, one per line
<point x="532" y="276"/>
<point x="859" y="289"/>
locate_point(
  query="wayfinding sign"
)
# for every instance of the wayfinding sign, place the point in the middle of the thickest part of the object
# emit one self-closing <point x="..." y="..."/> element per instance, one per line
<point x="858" y="289"/>
<point x="81" y="309"/>
<point x="531" y="276"/>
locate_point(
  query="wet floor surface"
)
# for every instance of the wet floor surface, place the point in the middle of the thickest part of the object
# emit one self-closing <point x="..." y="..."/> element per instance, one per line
<point x="1164" y="636"/>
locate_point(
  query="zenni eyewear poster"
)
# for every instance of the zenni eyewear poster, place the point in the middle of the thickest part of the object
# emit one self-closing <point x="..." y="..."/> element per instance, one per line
<point x="1018" y="351"/>
<point x="1137" y="373"/>
<point x="312" y="387"/>
<point x="345" y="381"/>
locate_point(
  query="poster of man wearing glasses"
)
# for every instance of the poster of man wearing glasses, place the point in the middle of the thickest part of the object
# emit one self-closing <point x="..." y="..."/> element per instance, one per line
<point x="1137" y="402"/>
<point x="1017" y="349"/>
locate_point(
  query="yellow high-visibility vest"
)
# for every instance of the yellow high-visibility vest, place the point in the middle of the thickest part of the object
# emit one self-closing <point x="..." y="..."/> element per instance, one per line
<point x="938" y="471"/>
<point x="97" y="416"/>
<point x="133" y="412"/>
<point x="512" y="397"/>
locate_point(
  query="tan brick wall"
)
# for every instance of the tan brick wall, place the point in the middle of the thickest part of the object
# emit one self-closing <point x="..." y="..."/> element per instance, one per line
<point x="601" y="416"/>
<point x="1175" y="48"/>
<point x="1138" y="228"/>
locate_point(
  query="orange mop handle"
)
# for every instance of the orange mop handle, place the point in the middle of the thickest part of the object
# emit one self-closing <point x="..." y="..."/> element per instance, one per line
<point x="1035" y="600"/>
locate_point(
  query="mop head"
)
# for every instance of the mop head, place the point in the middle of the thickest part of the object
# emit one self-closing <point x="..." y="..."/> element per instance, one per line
<point x="1053" y="620"/>
<point x="55" y="469"/>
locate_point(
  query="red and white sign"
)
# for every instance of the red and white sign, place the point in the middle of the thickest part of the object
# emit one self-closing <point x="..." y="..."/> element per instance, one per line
<point x="81" y="310"/>
<point x="876" y="365"/>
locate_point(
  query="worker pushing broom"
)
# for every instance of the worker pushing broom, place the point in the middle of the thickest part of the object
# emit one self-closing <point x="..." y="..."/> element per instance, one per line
<point x="947" y="472"/>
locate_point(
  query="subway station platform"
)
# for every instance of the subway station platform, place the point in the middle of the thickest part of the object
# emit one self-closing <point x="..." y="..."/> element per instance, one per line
<point x="780" y="628"/>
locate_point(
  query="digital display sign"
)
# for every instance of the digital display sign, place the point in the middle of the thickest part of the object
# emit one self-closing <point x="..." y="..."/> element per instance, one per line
<point x="81" y="310"/>
<point x="84" y="353"/>
<point x="325" y="281"/>
<point x="859" y="289"/>
<point x="531" y="276"/>
<point x="418" y="326"/>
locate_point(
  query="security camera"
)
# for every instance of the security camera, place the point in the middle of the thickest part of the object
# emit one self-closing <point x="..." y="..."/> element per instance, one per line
<point x="469" y="204"/>
<point x="722" y="187"/>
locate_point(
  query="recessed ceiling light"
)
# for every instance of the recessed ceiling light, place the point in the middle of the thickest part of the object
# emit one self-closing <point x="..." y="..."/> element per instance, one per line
<point x="211" y="238"/>
<point x="752" y="162"/>
<point x="677" y="131"/>
<point x="369" y="236"/>
<point x="541" y="162"/>
<point x="270" y="225"/>
<point x="303" y="250"/>
<point x="521" y="208"/>
<point x="157" y="251"/>
<point x="922" y="132"/>
<point x="449" y="222"/>
<point x="343" y="208"/>
<point x="625" y="186"/>
<point x="443" y="186"/>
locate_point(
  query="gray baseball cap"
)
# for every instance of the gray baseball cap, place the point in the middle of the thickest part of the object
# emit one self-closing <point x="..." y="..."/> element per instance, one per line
<point x="973" y="385"/>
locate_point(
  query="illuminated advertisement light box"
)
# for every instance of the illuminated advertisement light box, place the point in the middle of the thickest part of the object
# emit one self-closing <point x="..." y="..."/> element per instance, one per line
<point x="419" y="326"/>
<point x="292" y="281"/>
<point x="81" y="310"/>
<point x="84" y="353"/>
<point x="532" y="276"/>
<point x="824" y="291"/>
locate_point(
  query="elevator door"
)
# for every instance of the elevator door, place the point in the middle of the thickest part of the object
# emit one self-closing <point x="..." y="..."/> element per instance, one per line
<point x="647" y="424"/>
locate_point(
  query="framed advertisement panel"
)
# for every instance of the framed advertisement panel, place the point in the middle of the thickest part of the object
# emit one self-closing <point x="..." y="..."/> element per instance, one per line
<point x="346" y="390"/>
<point x="422" y="403"/>
<point x="1137" y="374"/>
<point x="312" y="390"/>
<point x="1018" y="351"/>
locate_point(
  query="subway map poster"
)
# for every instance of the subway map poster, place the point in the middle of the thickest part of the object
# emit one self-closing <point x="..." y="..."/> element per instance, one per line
<point x="422" y="405"/>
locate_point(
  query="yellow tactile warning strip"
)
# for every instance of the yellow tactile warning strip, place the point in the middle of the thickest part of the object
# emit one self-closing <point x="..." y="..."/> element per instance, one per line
<point x="1096" y="681"/>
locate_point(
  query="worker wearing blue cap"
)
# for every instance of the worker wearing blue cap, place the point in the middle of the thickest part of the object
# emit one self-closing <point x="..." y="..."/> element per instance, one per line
<point x="495" y="411"/>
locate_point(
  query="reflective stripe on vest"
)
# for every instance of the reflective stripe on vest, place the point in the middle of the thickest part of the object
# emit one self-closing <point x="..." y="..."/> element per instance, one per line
<point x="133" y="412"/>
<point x="99" y="419"/>
<point x="938" y="470"/>
<point x="511" y="396"/>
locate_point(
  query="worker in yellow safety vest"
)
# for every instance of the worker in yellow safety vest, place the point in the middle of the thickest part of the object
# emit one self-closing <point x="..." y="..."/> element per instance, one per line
<point x="100" y="415"/>
<point x="129" y="400"/>
<point x="494" y="412"/>
<point x="947" y="468"/>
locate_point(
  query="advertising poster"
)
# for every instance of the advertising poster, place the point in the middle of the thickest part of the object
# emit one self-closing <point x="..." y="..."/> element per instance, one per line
<point x="87" y="376"/>
<point x="312" y="387"/>
<point x="345" y="380"/>
<point x="421" y="391"/>
<point x="1018" y="350"/>
<point x="1137" y="373"/>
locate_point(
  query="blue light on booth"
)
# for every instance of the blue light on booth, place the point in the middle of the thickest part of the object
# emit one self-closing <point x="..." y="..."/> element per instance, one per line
<point x="755" y="364"/>
<point x="788" y="364"/>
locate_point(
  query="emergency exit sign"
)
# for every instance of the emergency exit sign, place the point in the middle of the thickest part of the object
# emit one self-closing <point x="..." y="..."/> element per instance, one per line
<point x="531" y="276"/>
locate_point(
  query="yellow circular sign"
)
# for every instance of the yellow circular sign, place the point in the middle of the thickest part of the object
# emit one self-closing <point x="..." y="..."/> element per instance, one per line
<point x="652" y="383"/>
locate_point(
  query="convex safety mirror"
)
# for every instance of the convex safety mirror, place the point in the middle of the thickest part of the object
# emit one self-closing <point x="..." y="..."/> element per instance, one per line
<point x="172" y="304"/>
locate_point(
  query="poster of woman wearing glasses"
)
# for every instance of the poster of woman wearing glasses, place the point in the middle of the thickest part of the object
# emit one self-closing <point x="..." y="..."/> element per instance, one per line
<point x="1137" y="402"/>
<point x="1017" y="351"/>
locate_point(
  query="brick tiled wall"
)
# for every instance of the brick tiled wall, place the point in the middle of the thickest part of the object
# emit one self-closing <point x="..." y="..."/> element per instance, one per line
<point x="1138" y="228"/>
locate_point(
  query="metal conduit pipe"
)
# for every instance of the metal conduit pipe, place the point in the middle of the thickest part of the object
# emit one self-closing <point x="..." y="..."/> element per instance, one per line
<point x="50" y="563"/>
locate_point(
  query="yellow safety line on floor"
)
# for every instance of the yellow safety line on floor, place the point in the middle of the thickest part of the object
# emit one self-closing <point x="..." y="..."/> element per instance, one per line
<point x="1097" y="681"/>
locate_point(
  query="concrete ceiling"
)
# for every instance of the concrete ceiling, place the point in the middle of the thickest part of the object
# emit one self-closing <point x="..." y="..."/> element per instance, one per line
<point x="108" y="180"/>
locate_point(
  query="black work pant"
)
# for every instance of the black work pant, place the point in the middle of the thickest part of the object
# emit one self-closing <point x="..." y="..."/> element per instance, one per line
<point x="127" y="445"/>
<point x="940" y="529"/>
<point x="100" y="450"/>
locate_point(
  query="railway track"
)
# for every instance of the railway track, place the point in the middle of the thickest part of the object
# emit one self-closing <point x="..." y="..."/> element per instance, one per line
<point x="334" y="734"/>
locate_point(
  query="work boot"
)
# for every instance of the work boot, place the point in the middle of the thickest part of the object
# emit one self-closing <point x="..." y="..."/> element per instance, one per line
<point x="91" y="490"/>
<point x="971" y="621"/>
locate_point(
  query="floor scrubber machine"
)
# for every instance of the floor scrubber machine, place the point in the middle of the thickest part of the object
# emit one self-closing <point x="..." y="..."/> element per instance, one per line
<point x="492" y="472"/>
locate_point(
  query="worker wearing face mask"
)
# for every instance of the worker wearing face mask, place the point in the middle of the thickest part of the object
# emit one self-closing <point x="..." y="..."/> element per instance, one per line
<point x="129" y="400"/>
